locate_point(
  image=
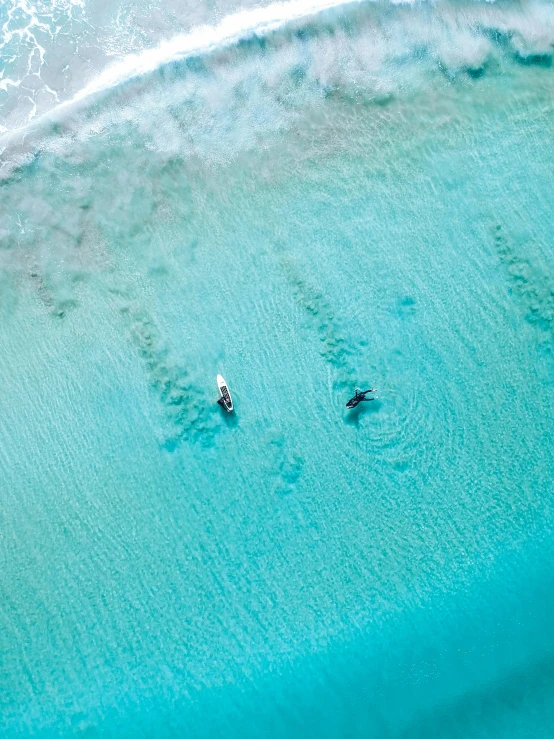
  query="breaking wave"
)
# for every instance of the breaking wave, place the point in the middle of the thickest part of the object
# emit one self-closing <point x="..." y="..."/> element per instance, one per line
<point x="30" y="25"/>
<point x="359" y="44"/>
<point x="230" y="86"/>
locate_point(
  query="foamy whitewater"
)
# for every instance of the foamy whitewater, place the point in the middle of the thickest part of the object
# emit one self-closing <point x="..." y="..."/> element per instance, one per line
<point x="306" y="197"/>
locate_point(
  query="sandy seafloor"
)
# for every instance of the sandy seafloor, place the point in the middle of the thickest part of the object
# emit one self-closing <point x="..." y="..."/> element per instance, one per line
<point x="291" y="570"/>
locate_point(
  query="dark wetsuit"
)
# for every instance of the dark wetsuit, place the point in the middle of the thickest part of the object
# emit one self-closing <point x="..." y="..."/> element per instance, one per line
<point x="359" y="397"/>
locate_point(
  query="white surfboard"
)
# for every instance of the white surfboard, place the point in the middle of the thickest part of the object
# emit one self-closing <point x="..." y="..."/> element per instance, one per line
<point x="225" y="400"/>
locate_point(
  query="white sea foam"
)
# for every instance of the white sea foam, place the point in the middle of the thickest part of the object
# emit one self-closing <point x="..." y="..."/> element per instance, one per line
<point x="29" y="31"/>
<point x="201" y="40"/>
<point x="258" y="21"/>
<point x="239" y="94"/>
<point x="205" y="39"/>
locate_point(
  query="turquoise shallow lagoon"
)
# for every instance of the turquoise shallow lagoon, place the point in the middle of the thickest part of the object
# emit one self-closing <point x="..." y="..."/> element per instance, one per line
<point x="292" y="570"/>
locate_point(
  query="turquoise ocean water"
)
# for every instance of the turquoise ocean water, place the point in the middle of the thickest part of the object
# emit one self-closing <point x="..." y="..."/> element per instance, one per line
<point x="357" y="197"/>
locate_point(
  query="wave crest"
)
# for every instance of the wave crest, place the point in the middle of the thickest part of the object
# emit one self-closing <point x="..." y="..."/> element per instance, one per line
<point x="223" y="88"/>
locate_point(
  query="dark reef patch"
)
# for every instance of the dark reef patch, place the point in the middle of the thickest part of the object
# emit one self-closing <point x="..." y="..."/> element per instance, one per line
<point x="287" y="465"/>
<point x="189" y="413"/>
<point x="334" y="347"/>
<point x="57" y="306"/>
<point x="406" y="307"/>
<point x="533" y="289"/>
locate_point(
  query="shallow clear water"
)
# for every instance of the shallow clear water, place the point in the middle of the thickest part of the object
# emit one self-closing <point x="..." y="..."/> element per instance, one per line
<point x="292" y="570"/>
